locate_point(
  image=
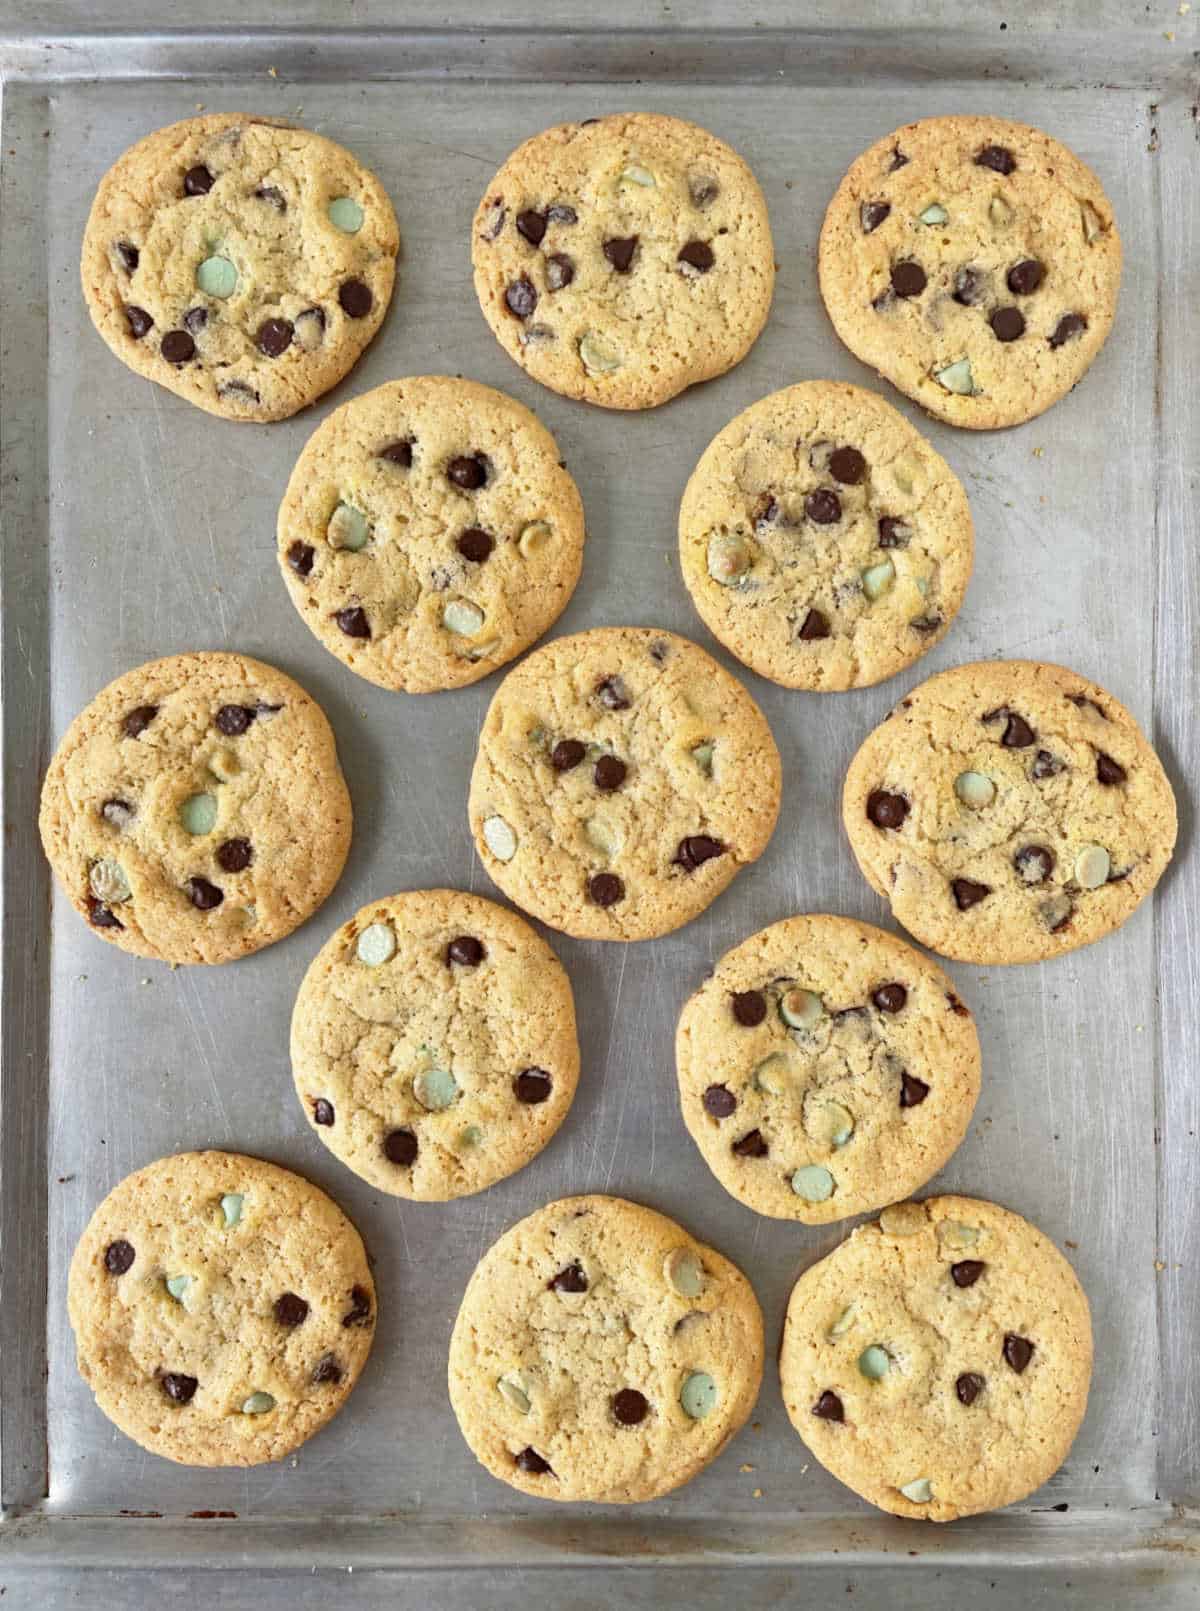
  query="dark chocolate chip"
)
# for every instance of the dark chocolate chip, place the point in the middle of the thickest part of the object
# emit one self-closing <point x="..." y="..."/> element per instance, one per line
<point x="273" y="197"/>
<point x="326" y="1369"/>
<point x="399" y="452"/>
<point x="1018" y="734"/>
<point x="872" y="214"/>
<point x="475" y="544"/>
<point x="1068" y="327"/>
<point x="138" y="320"/>
<point x="1007" y="324"/>
<point x="570" y="1278"/>
<point x="118" y="1256"/>
<point x="1045" y="765"/>
<point x="912" y="1090"/>
<point x="605" y="889"/>
<point x="619" y="252"/>
<point x="1080" y="700"/>
<point x="468" y="472"/>
<point x="847" y="465"/>
<point x="925" y="623"/>
<point x="893" y="532"/>
<point x="659" y="653"/>
<point x="178" y="347"/>
<point x="1025" y="277"/>
<point x="956" y="1006"/>
<point x="178" y="1387"/>
<point x="101" y="917"/>
<point x="129" y="255"/>
<point x="560" y="271"/>
<point x="1055" y="917"/>
<point x="567" y="754"/>
<point x="608" y="773"/>
<point x="890" y="997"/>
<point x="300" y="557"/>
<point x="719" y="1100"/>
<point x="521" y="298"/>
<point x="466" y="950"/>
<point x="967" y="1271"/>
<point x="531" y="225"/>
<point x="559" y="214"/>
<point x="117" y="813"/>
<point x="695" y="850"/>
<point x="899" y="160"/>
<point x="968" y="1387"/>
<point x="749" y="1007"/>
<point x="702" y="188"/>
<point x="353" y="621"/>
<point x="532" y="1086"/>
<point x="698" y="255"/>
<point x="322" y="1111"/>
<point x="1018" y="1351"/>
<point x="886" y="810"/>
<point x="612" y="694"/>
<point x="829" y="1407"/>
<point x="195" y="320"/>
<point x="908" y="279"/>
<point x="968" y="893"/>
<point x="751" y="1145"/>
<point x="274" y="337"/>
<point x="823" y="506"/>
<point x="359" y="1312"/>
<point x="814" y="627"/>
<point x="205" y="897"/>
<point x="290" y="1310"/>
<point x="234" y="719"/>
<point x="235" y="855"/>
<point x="238" y="389"/>
<point x="355" y="299"/>
<point x="400" y="1147"/>
<point x="197" y="181"/>
<point x="531" y="1462"/>
<point x="1108" y="771"/>
<point x="1034" y="863"/>
<point x="970" y="284"/>
<point x="997" y="157"/>
<point x="629" y="1407"/>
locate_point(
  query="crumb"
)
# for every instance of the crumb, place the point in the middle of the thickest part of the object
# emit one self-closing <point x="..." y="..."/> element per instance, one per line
<point x="1170" y="38"/>
<point x="758" y="1493"/>
<point x="273" y="71"/>
<point x="199" y="106"/>
<point x="746" y="1468"/>
<point x="1038" y="451"/>
<point x="1071" y="1244"/>
<point x="756" y="1426"/>
<point x="1159" y="1265"/>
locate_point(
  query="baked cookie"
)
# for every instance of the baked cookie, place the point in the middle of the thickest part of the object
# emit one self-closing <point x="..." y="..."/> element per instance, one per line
<point x="240" y="262"/>
<point x="602" y="1353"/>
<point x="825" y="1069"/>
<point x="430" y="532"/>
<point x="823" y="540"/>
<point x="975" y="263"/>
<point x="623" y="259"/>
<point x="433" y="1044"/>
<point x="196" y="811"/>
<point x="1009" y="811"/>
<point x="938" y="1361"/>
<point x="222" y="1308"/>
<point x="623" y="779"/>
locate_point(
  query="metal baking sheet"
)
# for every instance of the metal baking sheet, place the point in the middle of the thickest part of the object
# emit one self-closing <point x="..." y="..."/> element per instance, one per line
<point x="135" y="526"/>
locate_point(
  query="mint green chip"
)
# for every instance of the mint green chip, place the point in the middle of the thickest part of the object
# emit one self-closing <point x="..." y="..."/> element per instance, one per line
<point x="231" y="1207"/>
<point x="177" y="1285"/>
<point x="471" y="1136"/>
<point x="698" y="1395"/>
<point x="814" y="1183"/>
<point x="919" y="1491"/>
<point x="198" y="813"/>
<point x="258" y="1404"/>
<point x="376" y="945"/>
<point x="345" y="214"/>
<point x="435" y="1088"/>
<point x="348" y="528"/>
<point x="217" y="276"/>
<point x="874" y="1362"/>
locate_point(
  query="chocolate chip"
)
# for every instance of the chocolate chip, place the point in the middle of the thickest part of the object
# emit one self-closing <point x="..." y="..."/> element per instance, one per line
<point x="1025" y="277"/>
<point x="698" y="255"/>
<point x="560" y="271"/>
<point x="968" y="1387"/>
<point x="1057" y="914"/>
<point x="912" y="1090"/>
<point x="695" y="850"/>
<point x="235" y="855"/>
<point x="1018" y="1351"/>
<point x="890" y="997"/>
<point x="205" y="897"/>
<point x="273" y="197"/>
<point x="956" y="1005"/>
<point x="967" y="893"/>
<point x="925" y="623"/>
<point x="400" y="1147"/>
<point x="300" y="557"/>
<point x="234" y="719"/>
<point x="195" y="319"/>
<point x="766" y="510"/>
<point x="608" y="773"/>
<point x="749" y="1007"/>
<point x="1007" y="324"/>
<point x="129" y="255"/>
<point x="353" y="621"/>
<point x="605" y="889"/>
<point x="138" y="320"/>
<point x="893" y="532"/>
<point x="101" y="917"/>
<point x="117" y="813"/>
<point x="970" y="285"/>
<point x="466" y="950"/>
<point x="886" y="810"/>
<point x="355" y="299"/>
<point x="659" y="652"/>
<point x="567" y="754"/>
<point x="469" y="471"/>
<point x="1108" y="771"/>
<point x="178" y="347"/>
<point x="823" y="506"/>
<point x="531" y="225"/>
<point x="560" y="214"/>
<point x="359" y="1311"/>
<point x="612" y="694"/>
<point x="1045" y="765"/>
<point x="1034" y="863"/>
<point x="322" y="1111"/>
<point x="118" y="1256"/>
<point x="290" y="1310"/>
<point x="629" y="1407"/>
<point x="532" y="1086"/>
<point x="178" y="1387"/>
<point x="702" y="188"/>
<point x="899" y="160"/>
<point x="521" y="298"/>
<point x="1080" y="700"/>
<point x="530" y="1461"/>
<point x="399" y="452"/>
<point x="1017" y="734"/>
<point x="751" y="1145"/>
<point x="814" y="627"/>
<point x="719" y="1100"/>
<point x="274" y="337"/>
<point x="1067" y="328"/>
<point x="847" y="465"/>
<point x="967" y="1271"/>
<point x="326" y="1369"/>
<point x="197" y="181"/>
<point x="829" y="1407"/>
<point x="872" y="213"/>
<point x="619" y="252"/>
<point x="475" y="544"/>
<point x="238" y="389"/>
<point x="997" y="157"/>
<point x="570" y="1278"/>
<point x="908" y="279"/>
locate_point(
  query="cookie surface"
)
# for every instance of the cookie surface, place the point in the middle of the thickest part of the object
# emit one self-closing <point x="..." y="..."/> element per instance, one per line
<point x="973" y="262"/>
<point x="239" y="262"/>
<point x="823" y="540"/>
<point x="430" y="532"/>
<point x="1009" y="811"/>
<point x="222" y="1308"/>
<point x="825" y="1069"/>
<point x="623" y="779"/>
<point x="624" y="259"/>
<point x="602" y="1353"/>
<point x="195" y="811"/>
<point x="938" y="1361"/>
<point x="433" y="1044"/>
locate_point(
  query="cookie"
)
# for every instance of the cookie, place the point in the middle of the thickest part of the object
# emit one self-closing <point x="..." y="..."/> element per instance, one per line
<point x="430" y="532"/>
<point x="1009" y="811"/>
<point x="623" y="259"/>
<point x="240" y="262"/>
<point x="975" y="263"/>
<point x="196" y="811"/>
<point x="938" y="1361"/>
<point x="623" y="779"/>
<point x="222" y="1308"/>
<point x="601" y="1353"/>
<point x="825" y="1069"/>
<point x="433" y="1044"/>
<point x="823" y="540"/>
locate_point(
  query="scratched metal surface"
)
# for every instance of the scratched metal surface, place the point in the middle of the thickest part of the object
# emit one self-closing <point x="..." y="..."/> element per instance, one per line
<point x="143" y="527"/>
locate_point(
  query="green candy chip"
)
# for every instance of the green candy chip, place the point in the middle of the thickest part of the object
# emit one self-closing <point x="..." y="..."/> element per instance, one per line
<point x="345" y="214"/>
<point x="216" y="276"/>
<point x="198" y="813"/>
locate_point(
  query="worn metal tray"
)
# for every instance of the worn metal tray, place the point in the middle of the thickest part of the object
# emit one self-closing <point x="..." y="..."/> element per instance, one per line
<point x="134" y="526"/>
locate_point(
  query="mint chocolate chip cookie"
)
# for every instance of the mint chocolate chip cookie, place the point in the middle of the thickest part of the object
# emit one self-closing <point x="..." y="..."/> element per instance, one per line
<point x="938" y="1361"/>
<point x="823" y="540"/>
<point x="623" y="259"/>
<point x="825" y="1069"/>
<point x="975" y="263"/>
<point x="601" y="1353"/>
<point x="1009" y="811"/>
<point x="240" y="262"/>
<point x="222" y="1307"/>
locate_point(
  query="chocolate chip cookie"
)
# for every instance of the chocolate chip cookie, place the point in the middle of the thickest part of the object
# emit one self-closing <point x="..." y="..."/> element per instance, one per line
<point x="623" y="259"/>
<point x="623" y="779"/>
<point x="430" y="532"/>
<point x="433" y="1044"/>
<point x="602" y="1353"/>
<point x="222" y="1308"/>
<point x="1009" y="811"/>
<point x="825" y="1069"/>
<point x="975" y="263"/>
<point x="938" y="1361"/>
<point x="240" y="262"/>
<point x="823" y="540"/>
<point x="196" y="811"/>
